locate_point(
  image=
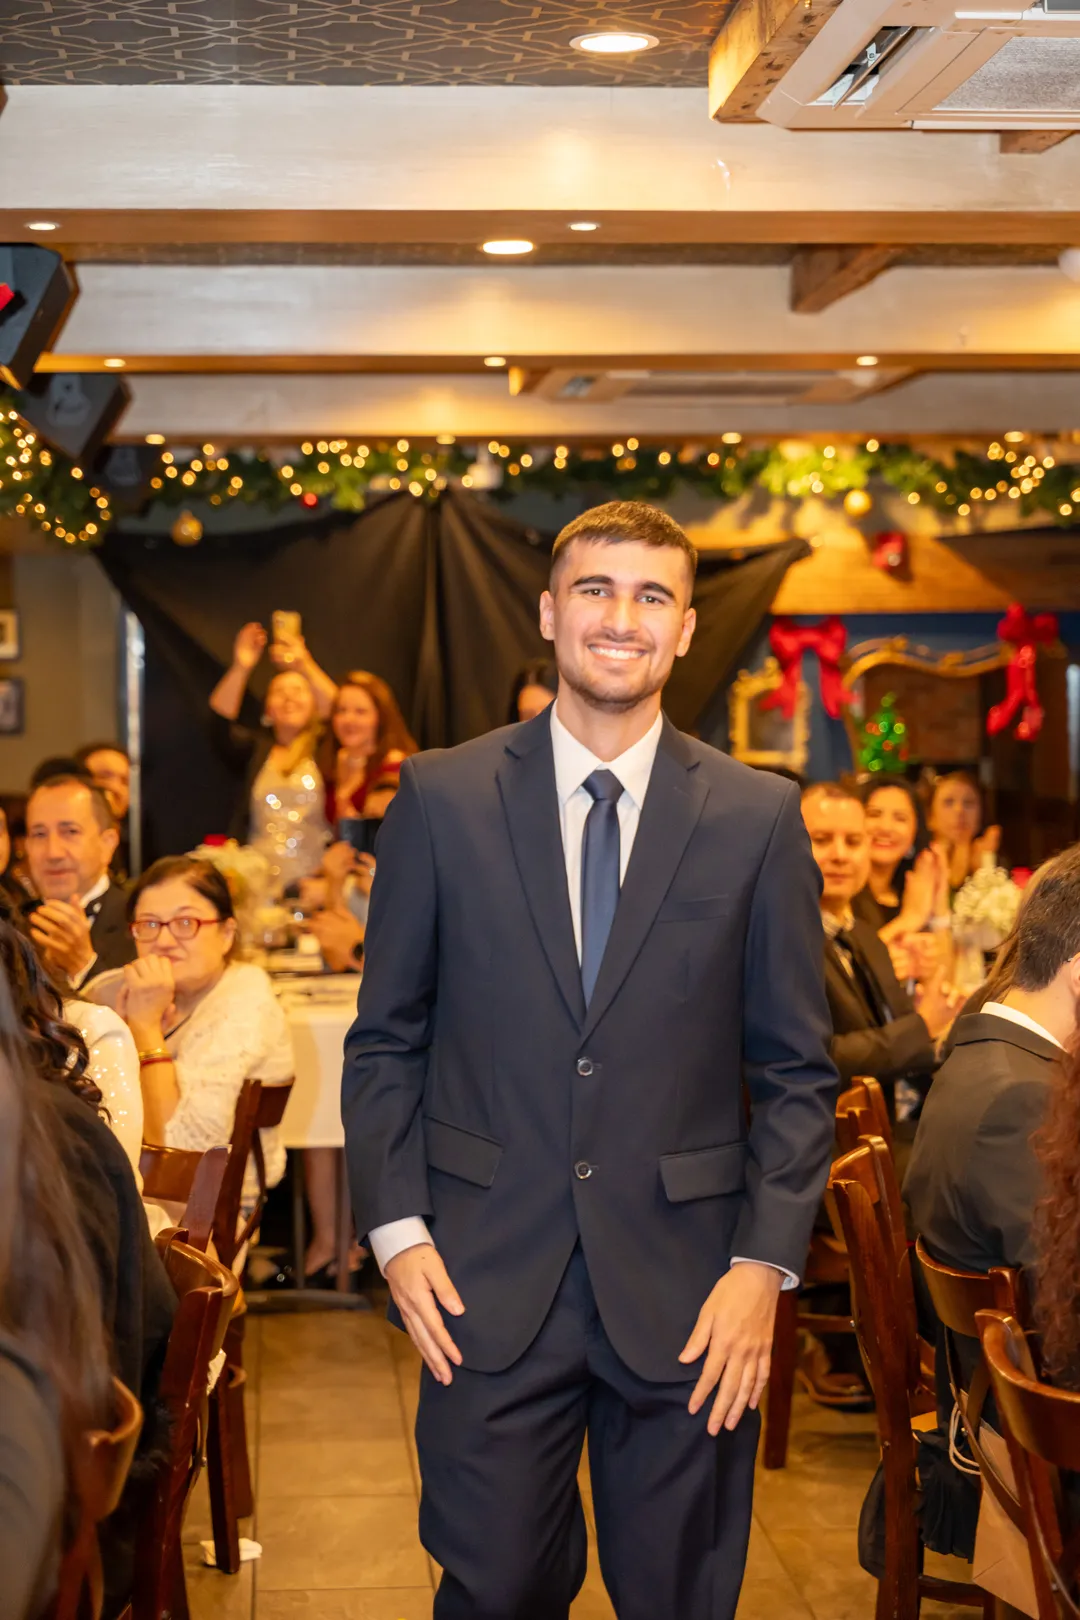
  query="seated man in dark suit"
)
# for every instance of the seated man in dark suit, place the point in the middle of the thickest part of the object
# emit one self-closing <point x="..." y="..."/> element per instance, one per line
<point x="79" y="921"/>
<point x="876" y="1027"/>
<point x="973" y="1179"/>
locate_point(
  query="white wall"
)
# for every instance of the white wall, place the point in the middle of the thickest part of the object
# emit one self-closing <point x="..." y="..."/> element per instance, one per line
<point x="68" y="612"/>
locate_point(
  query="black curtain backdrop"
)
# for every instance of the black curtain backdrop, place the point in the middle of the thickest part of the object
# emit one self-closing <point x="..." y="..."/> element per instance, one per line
<point x="439" y="599"/>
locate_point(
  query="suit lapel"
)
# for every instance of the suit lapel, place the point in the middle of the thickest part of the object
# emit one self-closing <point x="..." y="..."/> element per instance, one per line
<point x="672" y="809"/>
<point x="526" y="781"/>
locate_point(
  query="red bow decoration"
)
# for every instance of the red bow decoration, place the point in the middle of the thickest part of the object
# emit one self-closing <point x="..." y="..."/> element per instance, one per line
<point x="1024" y="633"/>
<point x="789" y="642"/>
<point x="6" y="294"/>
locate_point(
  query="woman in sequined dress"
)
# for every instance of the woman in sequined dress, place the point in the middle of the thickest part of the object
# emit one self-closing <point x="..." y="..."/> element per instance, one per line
<point x="281" y="809"/>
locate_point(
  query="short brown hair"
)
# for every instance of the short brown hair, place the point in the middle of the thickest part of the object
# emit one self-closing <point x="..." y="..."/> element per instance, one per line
<point x="829" y="790"/>
<point x="103" y="813"/>
<point x="1048" y="926"/>
<point x="619" y="523"/>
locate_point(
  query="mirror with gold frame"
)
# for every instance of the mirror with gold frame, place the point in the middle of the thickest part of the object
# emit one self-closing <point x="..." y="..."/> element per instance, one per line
<point x="944" y="721"/>
<point x="763" y="736"/>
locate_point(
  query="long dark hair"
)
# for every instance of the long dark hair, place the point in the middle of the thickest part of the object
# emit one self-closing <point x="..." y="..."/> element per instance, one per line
<point x="56" y="1050"/>
<point x="50" y="1301"/>
<point x="392" y="737"/>
<point x="540" y="672"/>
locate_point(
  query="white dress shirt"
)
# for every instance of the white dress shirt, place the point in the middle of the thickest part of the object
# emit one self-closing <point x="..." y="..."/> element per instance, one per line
<point x="573" y="764"/>
<point x="1000" y="1010"/>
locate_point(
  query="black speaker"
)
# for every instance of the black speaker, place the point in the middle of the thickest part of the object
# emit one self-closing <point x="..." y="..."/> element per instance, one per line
<point x="74" y="411"/>
<point x="124" y="472"/>
<point x="43" y="290"/>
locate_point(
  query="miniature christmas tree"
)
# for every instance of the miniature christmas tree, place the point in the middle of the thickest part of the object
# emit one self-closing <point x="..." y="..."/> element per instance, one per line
<point x="884" y="745"/>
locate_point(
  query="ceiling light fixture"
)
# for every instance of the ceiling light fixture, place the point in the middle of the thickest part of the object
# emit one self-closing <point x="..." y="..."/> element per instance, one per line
<point x="494" y="360"/>
<point x="508" y="245"/>
<point x="155" y="438"/>
<point x="584" y="225"/>
<point x="614" y="44"/>
<point x="42" y="225"/>
<point x="114" y="364"/>
<point x="866" y="360"/>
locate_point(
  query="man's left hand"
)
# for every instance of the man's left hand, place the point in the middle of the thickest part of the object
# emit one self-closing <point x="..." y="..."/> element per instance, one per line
<point x="734" y="1332"/>
<point x="61" y="931"/>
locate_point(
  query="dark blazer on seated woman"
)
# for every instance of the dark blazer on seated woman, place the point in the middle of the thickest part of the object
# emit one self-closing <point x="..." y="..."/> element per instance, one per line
<point x="876" y="1030"/>
<point x="32" y="1484"/>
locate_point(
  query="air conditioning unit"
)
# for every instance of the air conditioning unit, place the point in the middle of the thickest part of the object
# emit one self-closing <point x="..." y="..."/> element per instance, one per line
<point x="929" y="64"/>
<point x="723" y="390"/>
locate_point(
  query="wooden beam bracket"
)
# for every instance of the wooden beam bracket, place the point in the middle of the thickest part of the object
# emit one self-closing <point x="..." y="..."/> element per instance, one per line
<point x="822" y="275"/>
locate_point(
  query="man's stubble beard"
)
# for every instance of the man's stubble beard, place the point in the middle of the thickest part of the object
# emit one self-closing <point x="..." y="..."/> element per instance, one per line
<point x="605" y="704"/>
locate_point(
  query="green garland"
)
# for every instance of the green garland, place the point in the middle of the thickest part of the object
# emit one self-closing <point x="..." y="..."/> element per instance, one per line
<point x="65" y="501"/>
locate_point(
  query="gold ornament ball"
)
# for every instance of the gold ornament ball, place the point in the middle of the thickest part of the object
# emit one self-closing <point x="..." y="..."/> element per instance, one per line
<point x="187" y="530"/>
<point x="857" y="503"/>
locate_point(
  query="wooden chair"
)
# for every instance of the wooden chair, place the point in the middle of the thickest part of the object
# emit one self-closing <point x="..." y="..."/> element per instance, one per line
<point x="206" y="1291"/>
<point x="1042" y="1431"/>
<point x="193" y="1180"/>
<point x="259" y="1107"/>
<point x="826" y="1265"/>
<point x="100" y="1470"/>
<point x="867" y="1203"/>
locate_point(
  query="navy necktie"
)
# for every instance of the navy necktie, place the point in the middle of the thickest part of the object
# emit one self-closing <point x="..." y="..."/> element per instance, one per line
<point x="599" y="874"/>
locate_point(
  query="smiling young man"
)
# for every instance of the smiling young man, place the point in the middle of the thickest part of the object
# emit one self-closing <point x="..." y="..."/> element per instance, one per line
<point x="587" y="933"/>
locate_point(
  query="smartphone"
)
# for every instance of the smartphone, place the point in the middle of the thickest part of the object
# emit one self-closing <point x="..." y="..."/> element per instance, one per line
<point x="286" y="626"/>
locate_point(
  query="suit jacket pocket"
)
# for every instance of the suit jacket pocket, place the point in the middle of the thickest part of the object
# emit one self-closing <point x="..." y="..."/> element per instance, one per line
<point x="461" y="1153"/>
<point x="700" y="907"/>
<point x="704" y="1172"/>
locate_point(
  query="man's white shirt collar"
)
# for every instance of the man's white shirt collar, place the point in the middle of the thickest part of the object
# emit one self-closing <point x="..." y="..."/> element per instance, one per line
<point x="96" y="891"/>
<point x="574" y="762"/>
<point x="1000" y="1010"/>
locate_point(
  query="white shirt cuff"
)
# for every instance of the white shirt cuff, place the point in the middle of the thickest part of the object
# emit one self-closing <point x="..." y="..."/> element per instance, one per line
<point x="79" y="979"/>
<point x="790" y="1280"/>
<point x="395" y="1237"/>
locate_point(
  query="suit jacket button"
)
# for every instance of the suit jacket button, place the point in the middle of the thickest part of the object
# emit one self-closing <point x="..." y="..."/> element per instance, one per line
<point x="583" y="1170"/>
<point x="584" y="1067"/>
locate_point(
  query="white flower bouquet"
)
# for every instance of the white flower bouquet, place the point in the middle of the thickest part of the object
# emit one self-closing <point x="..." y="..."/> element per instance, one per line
<point x="247" y="873"/>
<point x="984" y="911"/>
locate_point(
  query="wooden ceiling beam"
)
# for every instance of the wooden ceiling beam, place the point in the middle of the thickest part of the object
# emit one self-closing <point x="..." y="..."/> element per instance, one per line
<point x="1029" y="142"/>
<point x="822" y="275"/>
<point x="755" y="48"/>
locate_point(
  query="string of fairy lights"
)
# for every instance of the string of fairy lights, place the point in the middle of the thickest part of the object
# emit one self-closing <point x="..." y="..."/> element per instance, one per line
<point x="76" y="505"/>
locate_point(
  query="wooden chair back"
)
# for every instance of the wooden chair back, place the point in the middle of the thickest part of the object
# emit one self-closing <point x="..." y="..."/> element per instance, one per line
<point x="862" y="1111"/>
<point x="957" y="1298"/>
<point x="194" y="1180"/>
<point x="259" y="1107"/>
<point x="1042" y="1431"/>
<point x="206" y="1291"/>
<point x="867" y="1203"/>
<point x="99" y="1472"/>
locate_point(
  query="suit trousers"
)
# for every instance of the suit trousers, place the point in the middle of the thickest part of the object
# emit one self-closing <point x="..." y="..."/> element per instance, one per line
<point x="500" y="1508"/>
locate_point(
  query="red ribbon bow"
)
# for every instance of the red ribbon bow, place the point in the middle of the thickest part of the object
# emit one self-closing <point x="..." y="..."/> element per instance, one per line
<point x="6" y="294"/>
<point x="1023" y="632"/>
<point x="789" y="642"/>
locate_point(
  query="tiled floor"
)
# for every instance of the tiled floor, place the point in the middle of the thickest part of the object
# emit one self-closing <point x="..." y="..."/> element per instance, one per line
<point x="332" y="1402"/>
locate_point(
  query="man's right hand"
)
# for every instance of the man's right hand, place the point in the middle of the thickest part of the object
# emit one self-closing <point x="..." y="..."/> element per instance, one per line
<point x="420" y="1283"/>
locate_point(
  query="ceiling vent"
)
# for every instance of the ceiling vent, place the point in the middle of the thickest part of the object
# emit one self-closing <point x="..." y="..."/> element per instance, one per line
<point x="928" y="64"/>
<point x="720" y="388"/>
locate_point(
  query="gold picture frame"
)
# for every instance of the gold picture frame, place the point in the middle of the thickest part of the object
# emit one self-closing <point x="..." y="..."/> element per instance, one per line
<point x="746" y="690"/>
<point x="902" y="653"/>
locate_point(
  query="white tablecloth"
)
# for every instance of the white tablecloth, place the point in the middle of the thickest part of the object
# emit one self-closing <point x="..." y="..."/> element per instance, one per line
<point x="320" y="1011"/>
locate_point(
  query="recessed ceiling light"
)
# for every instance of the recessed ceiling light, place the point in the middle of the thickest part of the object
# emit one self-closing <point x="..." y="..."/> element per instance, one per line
<point x="42" y="225"/>
<point x="584" y="225"/>
<point x="114" y="364"/>
<point x="445" y="438"/>
<point x="866" y="360"/>
<point x="614" y="44"/>
<point x="155" y="438"/>
<point x="508" y="245"/>
<point x="494" y="360"/>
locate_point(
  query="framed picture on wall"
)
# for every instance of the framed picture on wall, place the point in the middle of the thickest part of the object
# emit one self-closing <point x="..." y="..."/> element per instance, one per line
<point x="12" y="707"/>
<point x="9" y="634"/>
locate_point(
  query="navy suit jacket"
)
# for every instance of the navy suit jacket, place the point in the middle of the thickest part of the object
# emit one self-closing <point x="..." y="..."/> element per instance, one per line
<point x="480" y="1092"/>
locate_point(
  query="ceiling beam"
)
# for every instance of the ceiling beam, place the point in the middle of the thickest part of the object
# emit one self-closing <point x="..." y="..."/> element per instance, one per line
<point x="755" y="48"/>
<point x="1029" y="142"/>
<point x="822" y="275"/>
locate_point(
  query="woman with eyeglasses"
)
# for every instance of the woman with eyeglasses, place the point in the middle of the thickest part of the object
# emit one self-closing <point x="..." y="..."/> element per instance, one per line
<point x="203" y="1023"/>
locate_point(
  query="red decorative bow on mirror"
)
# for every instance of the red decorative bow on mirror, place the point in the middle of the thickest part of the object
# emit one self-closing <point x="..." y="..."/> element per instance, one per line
<point x="789" y="642"/>
<point x="1024" y="632"/>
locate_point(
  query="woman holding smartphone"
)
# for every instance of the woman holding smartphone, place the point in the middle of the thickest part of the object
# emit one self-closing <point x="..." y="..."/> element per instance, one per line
<point x="281" y="807"/>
